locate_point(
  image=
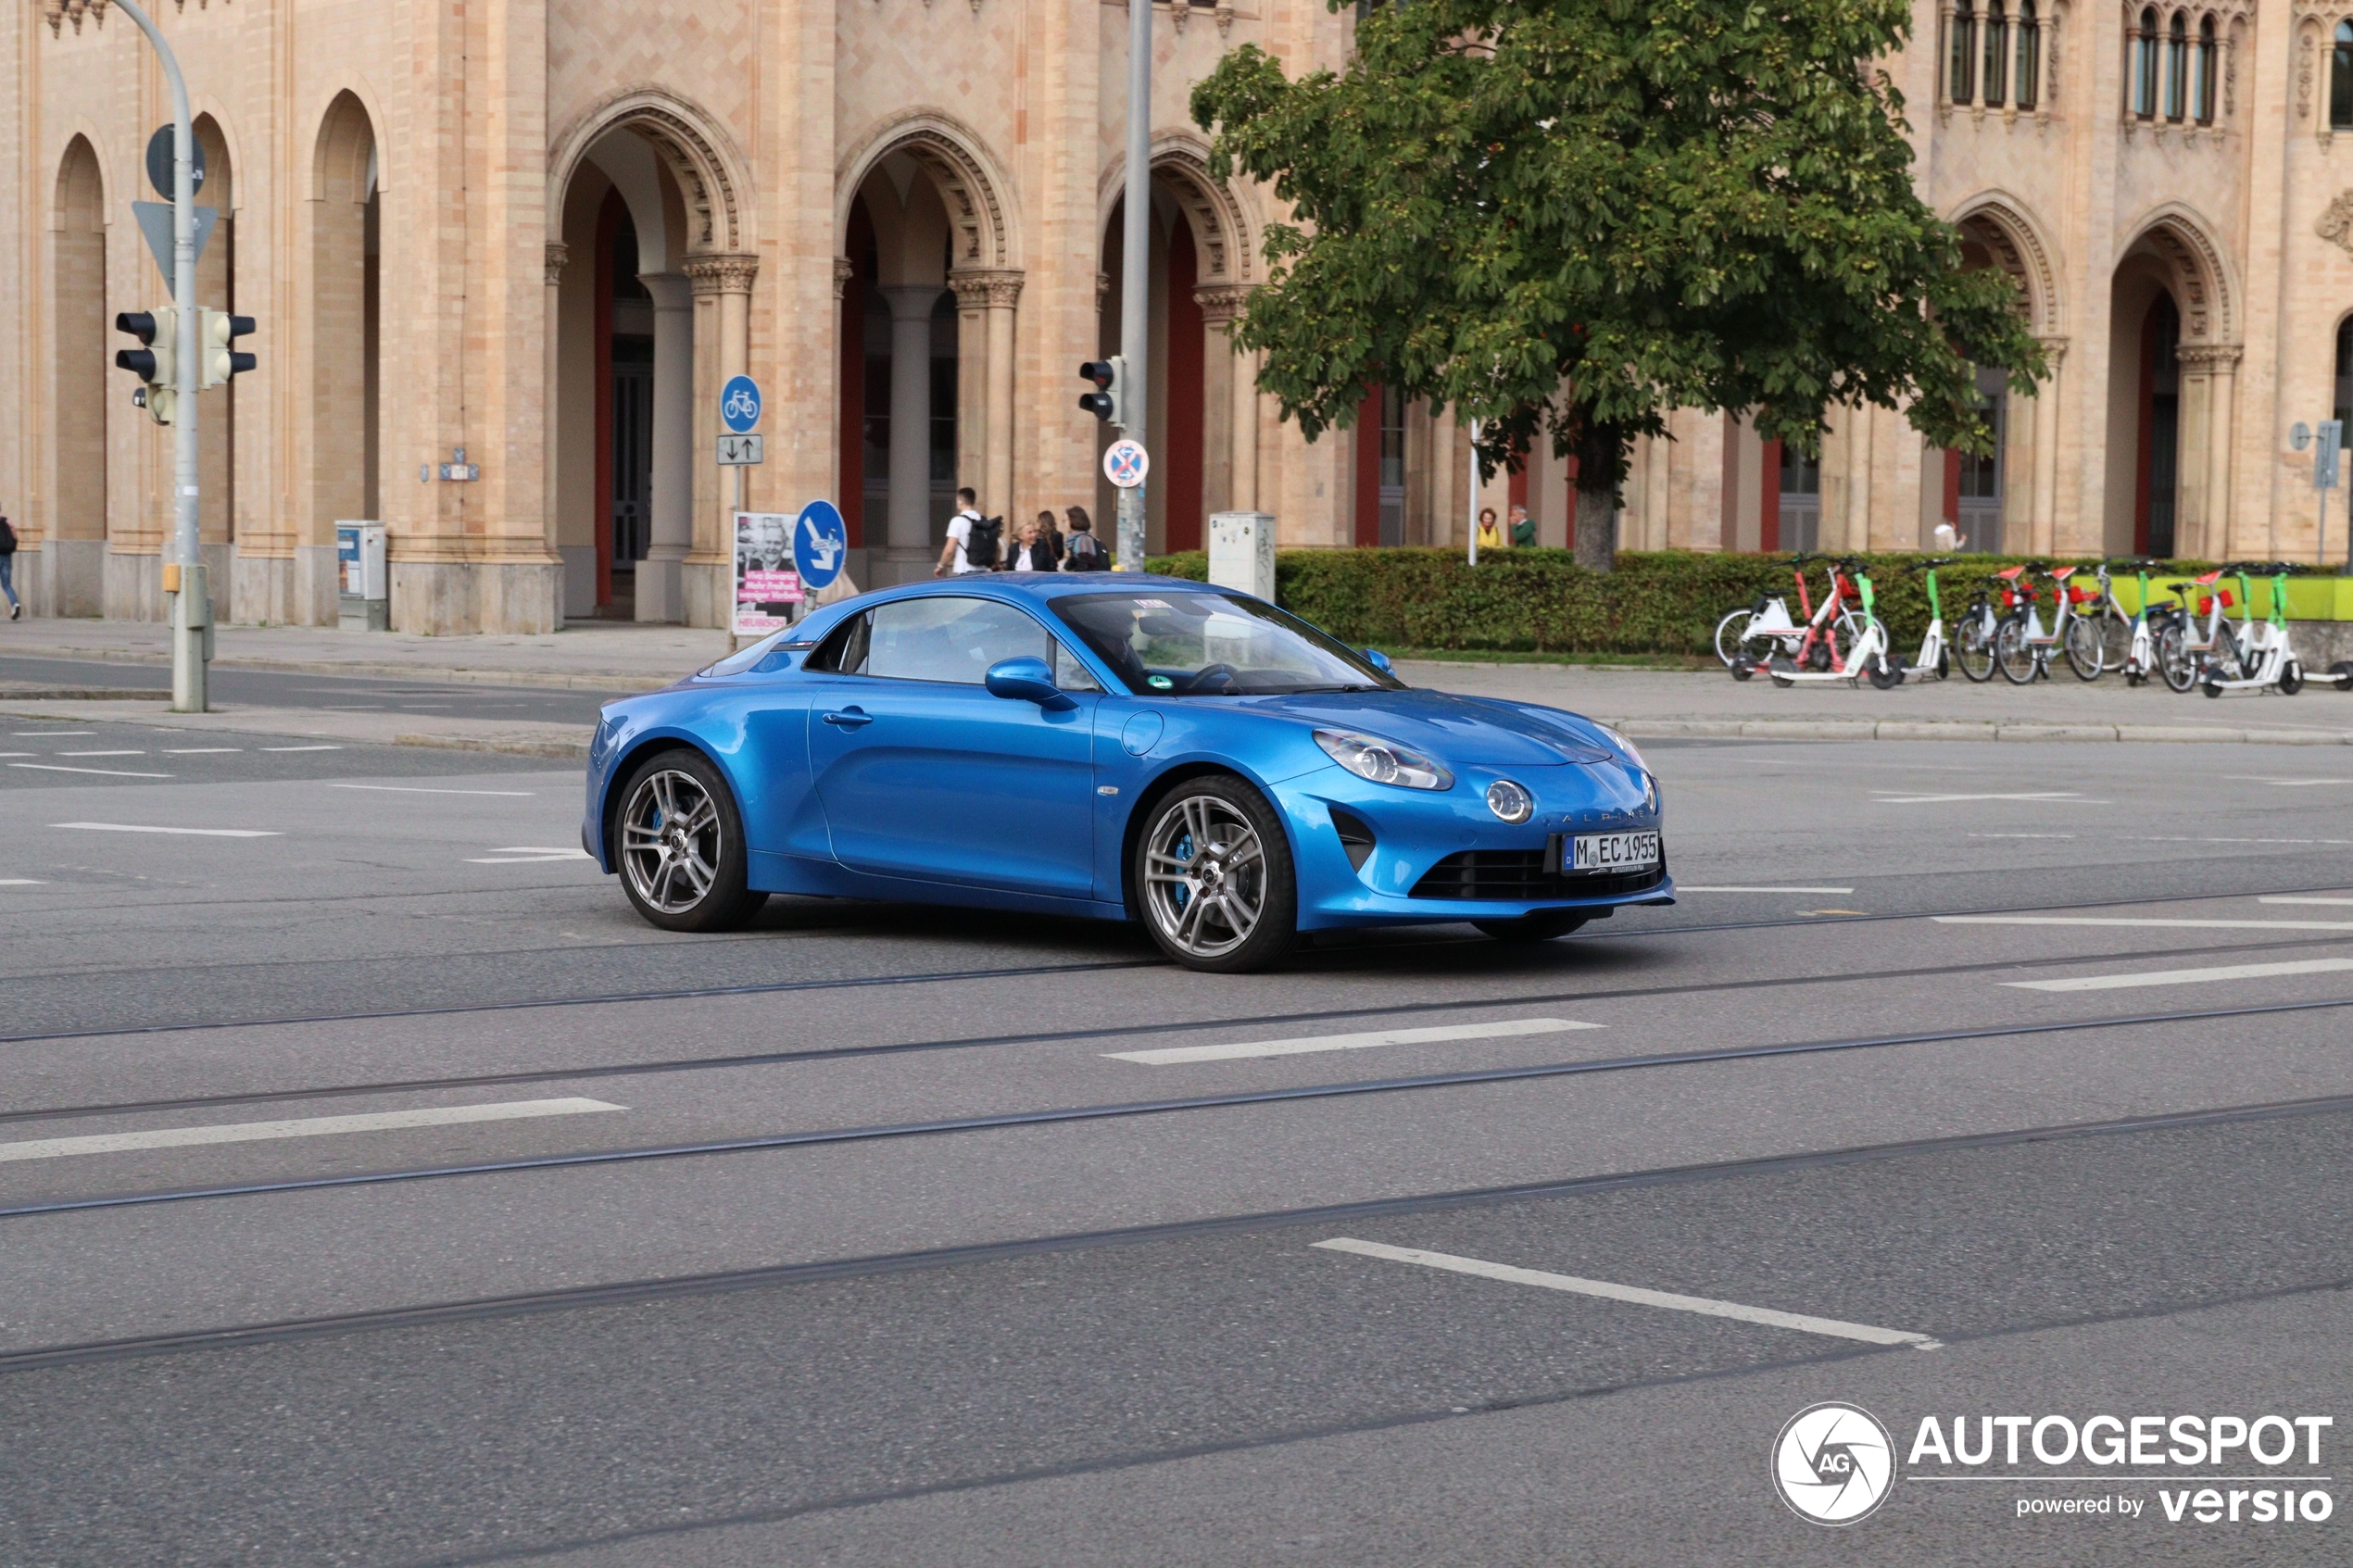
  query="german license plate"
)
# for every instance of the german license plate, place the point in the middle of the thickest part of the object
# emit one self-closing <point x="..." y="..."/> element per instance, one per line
<point x="1607" y="852"/>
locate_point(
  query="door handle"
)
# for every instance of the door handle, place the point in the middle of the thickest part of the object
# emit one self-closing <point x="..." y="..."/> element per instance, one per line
<point x="848" y="718"/>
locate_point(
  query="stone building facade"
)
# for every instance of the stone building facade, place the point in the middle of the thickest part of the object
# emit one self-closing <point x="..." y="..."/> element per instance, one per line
<point x="543" y="233"/>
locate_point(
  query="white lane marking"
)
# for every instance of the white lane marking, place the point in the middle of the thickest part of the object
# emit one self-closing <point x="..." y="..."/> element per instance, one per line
<point x="300" y="749"/>
<point x="19" y="754"/>
<point x="2282" y="898"/>
<point x="1634" y="1293"/>
<point x="102" y="772"/>
<point x="37" y="734"/>
<point x="304" y="1127"/>
<point x="2283" y="784"/>
<point x="412" y="789"/>
<point x="141" y="753"/>
<point x="2021" y="835"/>
<point x="351" y="708"/>
<point x="2184" y="976"/>
<point x="2065" y="796"/>
<point x="22" y="882"/>
<point x="2197" y="924"/>
<point x="200" y="751"/>
<point x="527" y="855"/>
<point x="1500" y="1029"/>
<point x="1680" y="888"/>
<point x="200" y="833"/>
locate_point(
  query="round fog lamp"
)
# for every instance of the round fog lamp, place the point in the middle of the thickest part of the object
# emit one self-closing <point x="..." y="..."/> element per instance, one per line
<point x="1509" y="801"/>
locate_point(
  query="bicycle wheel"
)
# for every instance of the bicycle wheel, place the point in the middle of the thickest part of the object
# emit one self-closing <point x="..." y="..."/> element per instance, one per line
<point x="2013" y="655"/>
<point x="1973" y="646"/>
<point x="2116" y="639"/>
<point x="1730" y="633"/>
<point x="2174" y="660"/>
<point x="2084" y="650"/>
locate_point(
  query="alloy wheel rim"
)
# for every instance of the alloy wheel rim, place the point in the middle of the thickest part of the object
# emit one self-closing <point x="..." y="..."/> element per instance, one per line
<point x="669" y="841"/>
<point x="1204" y="876"/>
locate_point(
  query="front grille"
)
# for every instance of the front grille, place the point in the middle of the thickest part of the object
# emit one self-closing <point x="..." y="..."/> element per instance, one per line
<point x="1517" y="876"/>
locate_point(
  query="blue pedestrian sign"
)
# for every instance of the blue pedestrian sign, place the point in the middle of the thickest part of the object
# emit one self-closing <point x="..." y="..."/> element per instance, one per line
<point x="739" y="403"/>
<point x="819" y="540"/>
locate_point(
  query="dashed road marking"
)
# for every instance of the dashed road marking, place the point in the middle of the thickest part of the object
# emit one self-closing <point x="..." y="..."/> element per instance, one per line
<point x="101" y="773"/>
<point x="2184" y="976"/>
<point x="1236" y="1050"/>
<point x="303" y="1127"/>
<point x="2193" y="924"/>
<point x="199" y="832"/>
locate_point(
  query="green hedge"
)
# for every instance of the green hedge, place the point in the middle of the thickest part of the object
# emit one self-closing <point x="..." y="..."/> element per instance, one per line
<point x="1542" y="601"/>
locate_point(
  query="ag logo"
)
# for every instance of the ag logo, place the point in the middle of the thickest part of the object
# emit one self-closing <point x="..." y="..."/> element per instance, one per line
<point x="1833" y="1463"/>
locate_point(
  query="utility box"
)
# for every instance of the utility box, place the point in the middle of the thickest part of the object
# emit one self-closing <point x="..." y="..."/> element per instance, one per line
<point x="365" y="603"/>
<point x="1241" y="552"/>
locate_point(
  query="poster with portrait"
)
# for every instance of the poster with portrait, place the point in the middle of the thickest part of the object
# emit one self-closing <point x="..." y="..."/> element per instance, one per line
<point x="768" y="591"/>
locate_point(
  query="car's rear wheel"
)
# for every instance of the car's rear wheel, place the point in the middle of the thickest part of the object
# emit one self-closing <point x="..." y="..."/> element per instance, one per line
<point x="1213" y="873"/>
<point x="681" y="846"/>
<point x="1542" y="926"/>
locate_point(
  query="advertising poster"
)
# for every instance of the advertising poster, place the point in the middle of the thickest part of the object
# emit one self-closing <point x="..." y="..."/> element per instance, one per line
<point x="768" y="591"/>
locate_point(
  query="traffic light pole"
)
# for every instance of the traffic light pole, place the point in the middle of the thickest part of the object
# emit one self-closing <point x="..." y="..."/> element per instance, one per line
<point x="184" y="573"/>
<point x="1135" y="271"/>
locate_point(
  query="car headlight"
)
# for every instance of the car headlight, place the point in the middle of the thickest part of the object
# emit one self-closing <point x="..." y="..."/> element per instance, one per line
<point x="1382" y="761"/>
<point x="1509" y="801"/>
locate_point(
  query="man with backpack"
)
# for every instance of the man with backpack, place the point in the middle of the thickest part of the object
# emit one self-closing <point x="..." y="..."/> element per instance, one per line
<point x="973" y="540"/>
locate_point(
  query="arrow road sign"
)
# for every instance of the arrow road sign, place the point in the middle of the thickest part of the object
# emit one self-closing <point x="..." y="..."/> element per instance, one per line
<point x="739" y="451"/>
<point x="820" y="539"/>
<point x="740" y="405"/>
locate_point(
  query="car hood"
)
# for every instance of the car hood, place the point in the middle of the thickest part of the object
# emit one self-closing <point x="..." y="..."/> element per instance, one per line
<point x="1476" y="731"/>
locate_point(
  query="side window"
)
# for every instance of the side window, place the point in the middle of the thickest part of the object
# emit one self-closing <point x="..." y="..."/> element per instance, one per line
<point x="943" y="638"/>
<point x="1071" y="675"/>
<point x="845" y="652"/>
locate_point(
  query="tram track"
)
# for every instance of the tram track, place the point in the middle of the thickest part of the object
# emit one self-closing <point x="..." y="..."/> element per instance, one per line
<point x="577" y="1298"/>
<point x="1116" y="1032"/>
<point x="1132" y="1110"/>
<point x="1318" y="959"/>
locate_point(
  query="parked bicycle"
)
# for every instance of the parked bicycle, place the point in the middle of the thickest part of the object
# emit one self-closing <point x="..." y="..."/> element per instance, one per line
<point x="1867" y="655"/>
<point x="2100" y="636"/>
<point x="2187" y="651"/>
<point x="1751" y="638"/>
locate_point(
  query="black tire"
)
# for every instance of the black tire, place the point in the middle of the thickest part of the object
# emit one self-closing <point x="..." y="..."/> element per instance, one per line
<point x="678" y="843"/>
<point x="2013" y="655"/>
<point x="2116" y="639"/>
<point x="2291" y="678"/>
<point x="1781" y="668"/>
<point x="1227" y="906"/>
<point x="1744" y="667"/>
<point x="2211" y="686"/>
<point x="2086" y="650"/>
<point x="1822" y="654"/>
<point x="1974" y="648"/>
<point x="2174" y="658"/>
<point x="1542" y="926"/>
<point x="2341" y="675"/>
<point x="1884" y="676"/>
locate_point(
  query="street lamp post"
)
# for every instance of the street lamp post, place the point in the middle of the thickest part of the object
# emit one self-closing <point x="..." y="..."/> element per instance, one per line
<point x="184" y="572"/>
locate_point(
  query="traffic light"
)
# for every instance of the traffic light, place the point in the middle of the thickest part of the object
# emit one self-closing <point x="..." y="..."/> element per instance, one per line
<point x="218" y="333"/>
<point x="1109" y="400"/>
<point x="154" y="361"/>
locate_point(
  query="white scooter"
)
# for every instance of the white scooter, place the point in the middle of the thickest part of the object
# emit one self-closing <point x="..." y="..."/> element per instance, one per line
<point x="1867" y="654"/>
<point x="1934" y="659"/>
<point x="2266" y="650"/>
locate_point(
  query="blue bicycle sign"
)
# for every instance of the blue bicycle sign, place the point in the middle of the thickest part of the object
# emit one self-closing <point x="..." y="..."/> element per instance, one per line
<point x="739" y="403"/>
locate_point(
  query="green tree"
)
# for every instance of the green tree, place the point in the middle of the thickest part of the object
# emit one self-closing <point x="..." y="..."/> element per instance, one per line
<point x="1569" y="216"/>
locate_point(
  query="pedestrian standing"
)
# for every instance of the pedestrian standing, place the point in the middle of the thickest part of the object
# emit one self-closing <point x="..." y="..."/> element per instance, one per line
<point x="1030" y="554"/>
<point x="1052" y="537"/>
<point x="8" y="569"/>
<point x="971" y="539"/>
<point x="1523" y="528"/>
<point x="1490" y="536"/>
<point x="1084" y="552"/>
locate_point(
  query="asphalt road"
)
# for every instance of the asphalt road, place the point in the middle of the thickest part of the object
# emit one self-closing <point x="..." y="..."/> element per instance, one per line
<point x="500" y="1226"/>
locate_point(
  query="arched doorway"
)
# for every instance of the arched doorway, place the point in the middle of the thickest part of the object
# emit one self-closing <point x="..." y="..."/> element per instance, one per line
<point x="903" y="373"/>
<point x="2173" y="365"/>
<point x="71" y="574"/>
<point x="339" y="418"/>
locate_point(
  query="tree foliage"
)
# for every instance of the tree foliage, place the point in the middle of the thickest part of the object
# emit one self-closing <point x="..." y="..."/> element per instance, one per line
<point x="1569" y="216"/>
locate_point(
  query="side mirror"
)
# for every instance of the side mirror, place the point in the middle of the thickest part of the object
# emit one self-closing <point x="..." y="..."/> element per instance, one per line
<point x="1027" y="680"/>
<point x="1380" y="660"/>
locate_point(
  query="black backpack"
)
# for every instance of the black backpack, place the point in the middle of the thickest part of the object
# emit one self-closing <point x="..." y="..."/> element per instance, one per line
<point x="980" y="542"/>
<point x="7" y="538"/>
<point x="1085" y="554"/>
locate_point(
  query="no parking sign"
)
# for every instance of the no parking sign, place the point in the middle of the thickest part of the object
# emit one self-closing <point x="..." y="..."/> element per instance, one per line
<point x="1126" y="463"/>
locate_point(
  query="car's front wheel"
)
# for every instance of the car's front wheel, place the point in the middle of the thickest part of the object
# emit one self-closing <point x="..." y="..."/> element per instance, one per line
<point x="681" y="846"/>
<point x="1213" y="873"/>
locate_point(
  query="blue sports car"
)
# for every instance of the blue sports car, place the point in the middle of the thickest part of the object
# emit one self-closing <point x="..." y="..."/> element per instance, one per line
<point x="1128" y="748"/>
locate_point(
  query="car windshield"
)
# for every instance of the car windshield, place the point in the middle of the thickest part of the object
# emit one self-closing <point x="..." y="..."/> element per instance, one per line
<point x="1214" y="644"/>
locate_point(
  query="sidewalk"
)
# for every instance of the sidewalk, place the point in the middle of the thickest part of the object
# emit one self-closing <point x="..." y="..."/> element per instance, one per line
<point x="614" y="656"/>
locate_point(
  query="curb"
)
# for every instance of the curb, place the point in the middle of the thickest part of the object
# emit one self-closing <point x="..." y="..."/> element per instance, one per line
<point x="570" y="750"/>
<point x="26" y="692"/>
<point x="1977" y="730"/>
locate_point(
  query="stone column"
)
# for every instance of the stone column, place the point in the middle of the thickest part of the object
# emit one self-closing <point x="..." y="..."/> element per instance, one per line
<point x="722" y="285"/>
<point x="659" y="575"/>
<point x="912" y="548"/>
<point x="1003" y="294"/>
<point x="2045" y="529"/>
<point x="984" y="300"/>
<point x="1221" y="306"/>
<point x="556" y="254"/>
<point x="2216" y="366"/>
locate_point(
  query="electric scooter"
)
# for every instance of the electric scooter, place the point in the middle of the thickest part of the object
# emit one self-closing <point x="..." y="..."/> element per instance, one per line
<point x="1934" y="659"/>
<point x="1867" y="654"/>
<point x="2264" y="648"/>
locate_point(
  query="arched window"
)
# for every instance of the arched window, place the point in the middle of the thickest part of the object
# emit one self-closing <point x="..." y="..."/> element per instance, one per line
<point x="1997" y="53"/>
<point x="2341" y="80"/>
<point x="2177" y="64"/>
<point x="2030" y="57"/>
<point x="2204" y="106"/>
<point x="2145" y="67"/>
<point x="1963" y="71"/>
